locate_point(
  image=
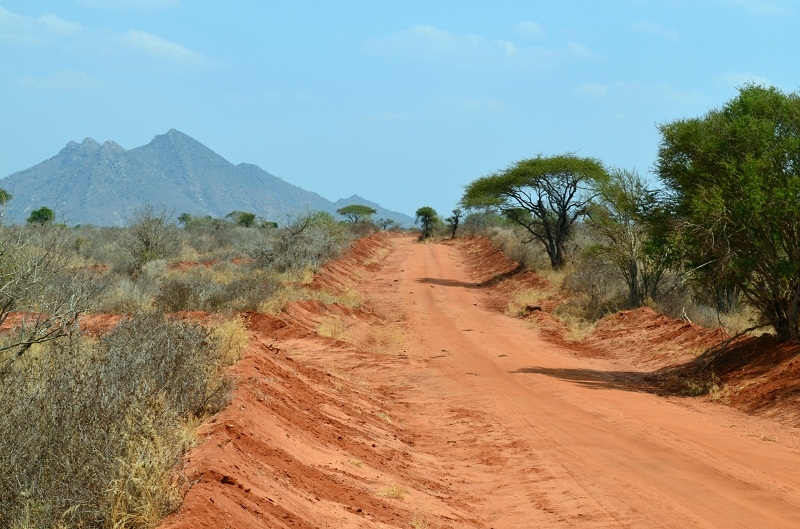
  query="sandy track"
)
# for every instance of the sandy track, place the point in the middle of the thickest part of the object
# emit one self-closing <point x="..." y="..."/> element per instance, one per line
<point x="489" y="426"/>
<point x="551" y="443"/>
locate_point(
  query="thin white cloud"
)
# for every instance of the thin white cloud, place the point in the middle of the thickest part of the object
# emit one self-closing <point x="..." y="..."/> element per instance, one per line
<point x="162" y="49"/>
<point x="9" y="19"/>
<point x="762" y="7"/>
<point x="576" y="49"/>
<point x="429" y="43"/>
<point x="656" y="30"/>
<point x="131" y="4"/>
<point x="64" y="80"/>
<point x="59" y="25"/>
<point x="531" y="30"/>
<point x="27" y="30"/>
<point x="669" y="93"/>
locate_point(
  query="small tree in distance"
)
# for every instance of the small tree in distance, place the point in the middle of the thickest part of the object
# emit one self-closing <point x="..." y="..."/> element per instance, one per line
<point x="453" y="221"/>
<point x="5" y="196"/>
<point x="386" y="224"/>
<point x="426" y="218"/>
<point x="356" y="212"/>
<point x="43" y="215"/>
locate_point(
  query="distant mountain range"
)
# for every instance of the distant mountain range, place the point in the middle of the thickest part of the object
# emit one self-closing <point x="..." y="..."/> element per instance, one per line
<point x="104" y="185"/>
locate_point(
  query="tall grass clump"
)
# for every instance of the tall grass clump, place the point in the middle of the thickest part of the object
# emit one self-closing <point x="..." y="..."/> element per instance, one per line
<point x="93" y="430"/>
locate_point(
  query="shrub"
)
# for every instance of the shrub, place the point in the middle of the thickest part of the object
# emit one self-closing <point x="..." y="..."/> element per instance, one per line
<point x="92" y="431"/>
<point x="305" y="243"/>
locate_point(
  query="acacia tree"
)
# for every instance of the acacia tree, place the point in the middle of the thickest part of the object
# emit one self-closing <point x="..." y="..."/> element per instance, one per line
<point x="544" y="195"/>
<point x="453" y="221"/>
<point x="734" y="175"/>
<point x="356" y="212"/>
<point x="426" y="218"/>
<point x="626" y="219"/>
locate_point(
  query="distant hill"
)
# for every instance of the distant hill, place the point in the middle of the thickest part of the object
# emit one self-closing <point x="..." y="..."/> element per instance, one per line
<point x="90" y="183"/>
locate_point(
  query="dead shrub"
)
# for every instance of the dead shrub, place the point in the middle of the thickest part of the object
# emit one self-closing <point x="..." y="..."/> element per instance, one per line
<point x="93" y="430"/>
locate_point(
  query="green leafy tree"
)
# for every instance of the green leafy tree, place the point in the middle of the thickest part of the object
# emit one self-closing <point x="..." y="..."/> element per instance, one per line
<point x="544" y="195"/>
<point x="734" y="176"/>
<point x="386" y="224"/>
<point x="246" y="219"/>
<point x="426" y="218"/>
<point x="453" y="221"/>
<point x="356" y="212"/>
<point x="625" y="217"/>
<point x="43" y="215"/>
<point x="242" y="218"/>
<point x="185" y="219"/>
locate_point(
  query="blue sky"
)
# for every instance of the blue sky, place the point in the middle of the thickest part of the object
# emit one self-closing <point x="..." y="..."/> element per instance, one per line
<point x="402" y="102"/>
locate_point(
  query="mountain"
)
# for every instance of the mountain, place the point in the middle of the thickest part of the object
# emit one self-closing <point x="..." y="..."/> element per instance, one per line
<point x="90" y="183"/>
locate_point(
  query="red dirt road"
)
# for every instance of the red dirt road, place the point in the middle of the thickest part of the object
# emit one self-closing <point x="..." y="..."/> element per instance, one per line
<point x="484" y="424"/>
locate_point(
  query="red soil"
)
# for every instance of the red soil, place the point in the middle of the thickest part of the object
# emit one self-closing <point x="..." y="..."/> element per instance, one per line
<point x="429" y="408"/>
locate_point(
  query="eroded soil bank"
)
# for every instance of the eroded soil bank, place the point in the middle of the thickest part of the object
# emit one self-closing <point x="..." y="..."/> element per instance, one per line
<point x="426" y="407"/>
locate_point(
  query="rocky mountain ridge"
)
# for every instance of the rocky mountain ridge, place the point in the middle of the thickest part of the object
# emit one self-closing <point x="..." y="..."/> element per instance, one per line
<point x="104" y="184"/>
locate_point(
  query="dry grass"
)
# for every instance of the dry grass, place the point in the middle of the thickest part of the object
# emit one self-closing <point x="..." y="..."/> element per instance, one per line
<point x="349" y="298"/>
<point x="94" y="429"/>
<point x="419" y="522"/>
<point x="393" y="491"/>
<point x="332" y="327"/>
<point x="529" y="297"/>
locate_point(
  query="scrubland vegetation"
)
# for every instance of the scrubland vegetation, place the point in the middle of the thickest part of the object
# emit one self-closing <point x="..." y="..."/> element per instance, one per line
<point x="716" y="239"/>
<point x="94" y="427"/>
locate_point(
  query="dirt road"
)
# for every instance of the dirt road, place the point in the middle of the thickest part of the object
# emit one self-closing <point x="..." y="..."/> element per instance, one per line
<point x="484" y="424"/>
<point x="542" y="440"/>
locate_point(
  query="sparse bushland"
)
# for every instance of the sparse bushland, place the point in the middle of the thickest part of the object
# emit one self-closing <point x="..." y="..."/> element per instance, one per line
<point x="93" y="430"/>
<point x="306" y="242"/>
<point x="41" y="294"/>
<point x="150" y="237"/>
<point x="590" y="286"/>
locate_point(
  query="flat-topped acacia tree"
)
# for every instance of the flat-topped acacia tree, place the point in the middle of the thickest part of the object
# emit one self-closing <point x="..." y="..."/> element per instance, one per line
<point x="356" y="212"/>
<point x="544" y="195"/>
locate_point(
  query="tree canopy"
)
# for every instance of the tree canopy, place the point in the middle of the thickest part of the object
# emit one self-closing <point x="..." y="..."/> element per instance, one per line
<point x="626" y="216"/>
<point x="43" y="215"/>
<point x="544" y="195"/>
<point x="734" y="176"/>
<point x="356" y="212"/>
<point x="426" y="218"/>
